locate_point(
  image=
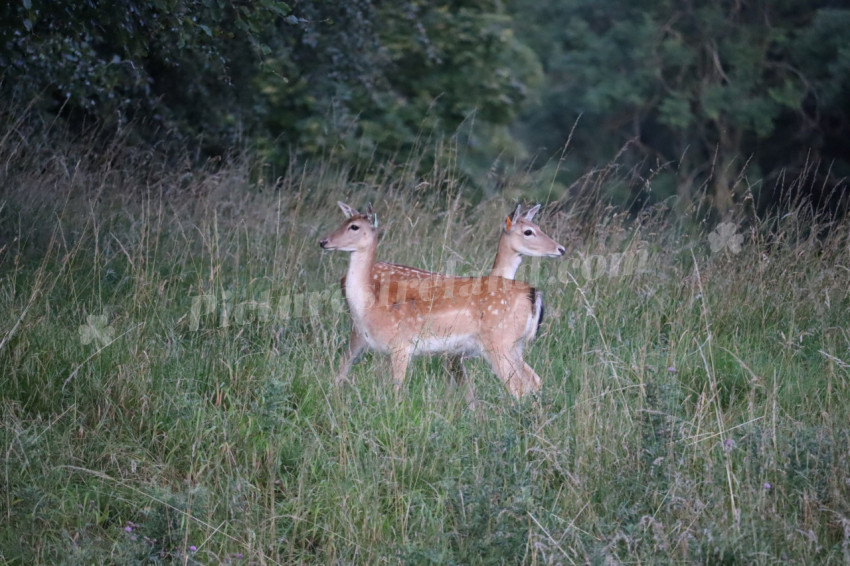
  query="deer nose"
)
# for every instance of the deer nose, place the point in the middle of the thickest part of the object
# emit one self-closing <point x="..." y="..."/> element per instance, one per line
<point x="562" y="250"/>
<point x="323" y="243"/>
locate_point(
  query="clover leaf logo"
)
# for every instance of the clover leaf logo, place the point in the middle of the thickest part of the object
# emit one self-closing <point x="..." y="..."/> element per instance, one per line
<point x="725" y="236"/>
<point x="96" y="330"/>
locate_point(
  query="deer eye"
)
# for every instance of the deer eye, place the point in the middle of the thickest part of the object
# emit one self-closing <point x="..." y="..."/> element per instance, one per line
<point x="354" y="227"/>
<point x="528" y="232"/>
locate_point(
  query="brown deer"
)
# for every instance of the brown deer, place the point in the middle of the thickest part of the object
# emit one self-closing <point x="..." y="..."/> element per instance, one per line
<point x="520" y="236"/>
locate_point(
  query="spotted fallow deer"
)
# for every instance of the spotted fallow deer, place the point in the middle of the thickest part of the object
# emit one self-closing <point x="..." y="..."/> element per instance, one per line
<point x="520" y="236"/>
<point x="490" y="316"/>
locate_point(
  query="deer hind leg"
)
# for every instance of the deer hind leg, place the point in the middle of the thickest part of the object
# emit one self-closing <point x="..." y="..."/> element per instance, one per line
<point x="509" y="367"/>
<point x="531" y="381"/>
<point x="356" y="345"/>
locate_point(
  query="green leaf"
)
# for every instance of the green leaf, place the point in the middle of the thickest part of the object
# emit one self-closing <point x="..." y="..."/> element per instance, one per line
<point x="789" y="94"/>
<point x="675" y="111"/>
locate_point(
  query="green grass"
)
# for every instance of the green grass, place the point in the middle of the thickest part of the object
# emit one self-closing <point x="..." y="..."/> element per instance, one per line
<point x="694" y="411"/>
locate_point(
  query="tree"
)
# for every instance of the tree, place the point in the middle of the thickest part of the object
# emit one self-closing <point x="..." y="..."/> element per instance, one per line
<point x="179" y="66"/>
<point x="701" y="86"/>
<point x="410" y="69"/>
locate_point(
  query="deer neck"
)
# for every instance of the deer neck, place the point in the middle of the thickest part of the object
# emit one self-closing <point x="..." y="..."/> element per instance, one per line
<point x="507" y="259"/>
<point x="359" y="290"/>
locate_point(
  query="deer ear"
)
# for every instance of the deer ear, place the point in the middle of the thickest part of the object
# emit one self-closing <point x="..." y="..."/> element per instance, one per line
<point x="512" y="218"/>
<point x="370" y="214"/>
<point x="347" y="210"/>
<point x="515" y="213"/>
<point x="529" y="214"/>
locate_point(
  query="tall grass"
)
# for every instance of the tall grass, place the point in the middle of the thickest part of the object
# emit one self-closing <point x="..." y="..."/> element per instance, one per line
<point x="694" y="410"/>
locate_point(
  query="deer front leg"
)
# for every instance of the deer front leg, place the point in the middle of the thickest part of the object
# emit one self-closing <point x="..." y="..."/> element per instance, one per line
<point x="356" y="345"/>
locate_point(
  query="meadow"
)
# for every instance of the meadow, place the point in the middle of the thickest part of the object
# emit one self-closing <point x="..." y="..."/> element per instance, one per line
<point x="169" y="336"/>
